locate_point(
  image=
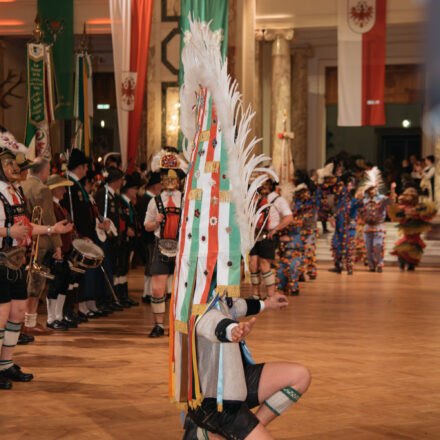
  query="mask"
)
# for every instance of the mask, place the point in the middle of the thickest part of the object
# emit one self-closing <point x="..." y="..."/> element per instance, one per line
<point x="170" y="183"/>
<point x="10" y="169"/>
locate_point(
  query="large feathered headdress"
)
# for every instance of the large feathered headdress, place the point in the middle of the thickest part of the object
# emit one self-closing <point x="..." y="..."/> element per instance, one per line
<point x="372" y="179"/>
<point x="327" y="171"/>
<point x="168" y="160"/>
<point x="9" y="144"/>
<point x="219" y="212"/>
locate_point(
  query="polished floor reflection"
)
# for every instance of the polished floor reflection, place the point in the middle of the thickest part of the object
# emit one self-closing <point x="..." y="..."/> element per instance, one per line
<point x="371" y="341"/>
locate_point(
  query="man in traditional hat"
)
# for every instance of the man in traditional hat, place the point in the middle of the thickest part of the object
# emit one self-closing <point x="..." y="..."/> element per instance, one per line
<point x="66" y="281"/>
<point x="15" y="235"/>
<point x="162" y="218"/>
<point x="77" y="202"/>
<point x="109" y="206"/>
<point x="37" y="194"/>
<point x="153" y="187"/>
<point x="129" y="191"/>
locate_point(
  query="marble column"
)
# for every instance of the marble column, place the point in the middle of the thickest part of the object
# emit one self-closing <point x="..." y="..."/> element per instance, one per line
<point x="299" y="107"/>
<point x="280" y="89"/>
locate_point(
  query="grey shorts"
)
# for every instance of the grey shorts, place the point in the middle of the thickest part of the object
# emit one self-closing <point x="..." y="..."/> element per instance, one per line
<point x="161" y="264"/>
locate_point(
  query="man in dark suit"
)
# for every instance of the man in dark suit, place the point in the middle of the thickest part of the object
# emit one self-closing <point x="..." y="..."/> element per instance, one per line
<point x="153" y="187"/>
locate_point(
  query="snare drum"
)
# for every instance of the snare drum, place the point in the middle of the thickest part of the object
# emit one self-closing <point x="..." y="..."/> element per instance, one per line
<point x="86" y="254"/>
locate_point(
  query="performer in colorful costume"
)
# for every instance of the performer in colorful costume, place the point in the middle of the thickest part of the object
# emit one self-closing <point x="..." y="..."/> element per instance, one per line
<point x="413" y="218"/>
<point x="306" y="210"/>
<point x="163" y="217"/>
<point x="16" y="231"/>
<point x="373" y="213"/>
<point x="208" y="375"/>
<point x="332" y="198"/>
<point x="355" y="204"/>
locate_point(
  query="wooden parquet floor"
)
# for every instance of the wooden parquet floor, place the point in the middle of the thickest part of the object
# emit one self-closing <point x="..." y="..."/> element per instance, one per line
<point x="371" y="341"/>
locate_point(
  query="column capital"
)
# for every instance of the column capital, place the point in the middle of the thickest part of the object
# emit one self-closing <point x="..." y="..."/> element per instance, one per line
<point x="269" y="34"/>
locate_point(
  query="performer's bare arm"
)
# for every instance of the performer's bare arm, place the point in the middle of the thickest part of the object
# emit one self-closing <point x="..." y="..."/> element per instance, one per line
<point x="285" y="221"/>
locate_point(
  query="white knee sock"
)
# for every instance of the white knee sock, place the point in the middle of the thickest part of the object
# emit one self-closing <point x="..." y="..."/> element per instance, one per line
<point x="59" y="307"/>
<point x="50" y="310"/>
<point x="82" y="307"/>
<point x="91" y="305"/>
<point x="30" y="319"/>
<point x="282" y="400"/>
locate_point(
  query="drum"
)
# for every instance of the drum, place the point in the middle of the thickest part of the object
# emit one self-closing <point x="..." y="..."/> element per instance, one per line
<point x="86" y="254"/>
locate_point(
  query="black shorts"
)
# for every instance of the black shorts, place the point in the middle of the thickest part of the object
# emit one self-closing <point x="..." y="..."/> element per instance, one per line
<point x="236" y="421"/>
<point x="12" y="284"/>
<point x="149" y="252"/>
<point x="265" y="248"/>
<point x="161" y="264"/>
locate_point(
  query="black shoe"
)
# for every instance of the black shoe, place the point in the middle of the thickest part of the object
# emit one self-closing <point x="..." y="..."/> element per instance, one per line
<point x="312" y="276"/>
<point x="156" y="332"/>
<point x="15" y="374"/>
<point x="372" y="269"/>
<point x="93" y="315"/>
<point x="82" y="317"/>
<point x="130" y="301"/>
<point x="69" y="323"/>
<point x="5" y="384"/>
<point x="116" y="306"/>
<point x="146" y="299"/>
<point x="302" y="278"/>
<point x="106" y="309"/>
<point x="57" y="325"/>
<point x="349" y="272"/>
<point x="411" y="267"/>
<point x="295" y="292"/>
<point x="25" y="339"/>
<point x="379" y="269"/>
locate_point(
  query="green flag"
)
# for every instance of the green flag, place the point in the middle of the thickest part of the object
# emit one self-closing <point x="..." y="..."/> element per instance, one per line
<point x="205" y="11"/>
<point x="57" y="23"/>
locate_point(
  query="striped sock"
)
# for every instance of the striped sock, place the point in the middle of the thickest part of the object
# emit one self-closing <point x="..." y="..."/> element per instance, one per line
<point x="4" y="365"/>
<point x="282" y="400"/>
<point x="12" y="333"/>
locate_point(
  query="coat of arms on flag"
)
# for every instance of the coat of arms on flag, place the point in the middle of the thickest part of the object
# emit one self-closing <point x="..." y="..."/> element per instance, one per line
<point x="128" y="90"/>
<point x="361" y="15"/>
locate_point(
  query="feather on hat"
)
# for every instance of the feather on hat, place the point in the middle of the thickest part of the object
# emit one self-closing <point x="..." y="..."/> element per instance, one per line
<point x="326" y="171"/>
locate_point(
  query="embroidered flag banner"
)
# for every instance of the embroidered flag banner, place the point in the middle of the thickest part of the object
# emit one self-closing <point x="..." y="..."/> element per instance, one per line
<point x="131" y="26"/>
<point x="83" y="102"/>
<point x="41" y="98"/>
<point x="361" y="62"/>
<point x="205" y="11"/>
<point x="57" y="23"/>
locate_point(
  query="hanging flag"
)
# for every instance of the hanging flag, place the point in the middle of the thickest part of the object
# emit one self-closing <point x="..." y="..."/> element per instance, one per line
<point x="83" y="102"/>
<point x="57" y="23"/>
<point x="41" y="98"/>
<point x="361" y="62"/>
<point x="131" y="26"/>
<point x="205" y="11"/>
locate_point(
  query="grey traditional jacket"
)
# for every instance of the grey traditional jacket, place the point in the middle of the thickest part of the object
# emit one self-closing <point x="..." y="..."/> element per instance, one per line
<point x="211" y="332"/>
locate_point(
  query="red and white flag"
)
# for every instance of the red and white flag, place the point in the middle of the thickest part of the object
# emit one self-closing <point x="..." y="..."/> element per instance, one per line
<point x="131" y="25"/>
<point x="361" y="62"/>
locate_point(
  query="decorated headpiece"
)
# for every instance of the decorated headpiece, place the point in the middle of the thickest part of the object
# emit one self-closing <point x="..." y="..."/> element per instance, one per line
<point x="9" y="146"/>
<point x="372" y="179"/>
<point x="220" y="213"/>
<point x="327" y="171"/>
<point x="168" y="160"/>
<point x="301" y="187"/>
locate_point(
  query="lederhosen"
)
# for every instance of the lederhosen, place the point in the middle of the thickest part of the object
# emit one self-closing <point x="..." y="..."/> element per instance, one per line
<point x="163" y="264"/>
<point x="265" y="247"/>
<point x="147" y="237"/>
<point x="12" y="282"/>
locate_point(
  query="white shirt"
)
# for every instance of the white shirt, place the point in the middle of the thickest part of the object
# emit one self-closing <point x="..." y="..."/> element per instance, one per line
<point x="279" y="209"/>
<point x="429" y="172"/>
<point x="150" y="215"/>
<point x="4" y="189"/>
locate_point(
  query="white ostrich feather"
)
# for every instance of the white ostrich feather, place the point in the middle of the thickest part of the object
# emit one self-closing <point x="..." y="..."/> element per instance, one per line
<point x="327" y="171"/>
<point x="203" y="67"/>
<point x="373" y="178"/>
<point x="8" y="142"/>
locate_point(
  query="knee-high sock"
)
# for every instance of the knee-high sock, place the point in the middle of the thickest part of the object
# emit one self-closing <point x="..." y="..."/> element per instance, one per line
<point x="50" y="310"/>
<point x="268" y="278"/>
<point x="10" y="339"/>
<point x="170" y="283"/>
<point x="282" y="400"/>
<point x="2" y="336"/>
<point x="59" y="305"/>
<point x="158" y="305"/>
<point x="255" y="278"/>
<point x="30" y="319"/>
